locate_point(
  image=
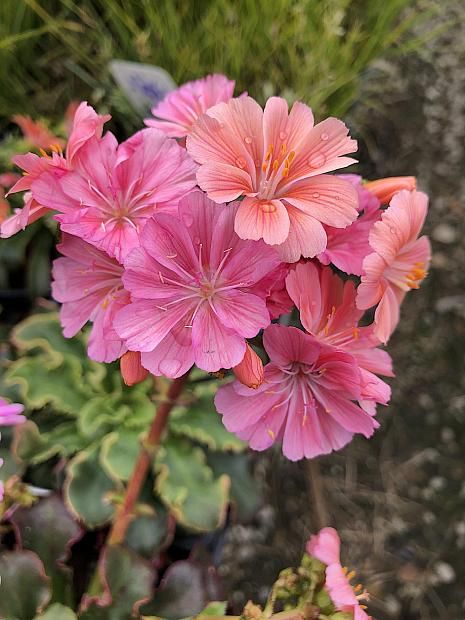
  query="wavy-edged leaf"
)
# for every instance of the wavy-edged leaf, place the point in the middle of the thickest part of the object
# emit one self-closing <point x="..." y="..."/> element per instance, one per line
<point x="119" y="452"/>
<point x="148" y="535"/>
<point x="201" y="422"/>
<point x="181" y="594"/>
<point x="24" y="588"/>
<point x="86" y="489"/>
<point x="48" y="529"/>
<point x="41" y="383"/>
<point x="127" y="581"/>
<point x="186" y="485"/>
<point x="11" y="463"/>
<point x="57" y="612"/>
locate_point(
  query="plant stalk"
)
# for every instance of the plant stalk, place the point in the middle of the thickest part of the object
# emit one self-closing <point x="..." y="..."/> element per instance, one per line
<point x="125" y="511"/>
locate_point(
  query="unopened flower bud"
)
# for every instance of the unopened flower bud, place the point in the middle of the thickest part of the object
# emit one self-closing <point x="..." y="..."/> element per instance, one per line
<point x="131" y="368"/>
<point x="384" y="189"/>
<point x="250" y="371"/>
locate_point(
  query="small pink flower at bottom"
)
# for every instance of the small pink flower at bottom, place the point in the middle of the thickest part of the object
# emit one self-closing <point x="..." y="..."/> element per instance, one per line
<point x="88" y="284"/>
<point x="10" y="413"/>
<point x="196" y="291"/>
<point x="179" y="110"/>
<point x="399" y="261"/>
<point x="306" y="399"/>
<point x="325" y="546"/>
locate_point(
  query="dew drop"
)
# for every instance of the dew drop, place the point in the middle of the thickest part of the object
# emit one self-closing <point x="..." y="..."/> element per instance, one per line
<point x="197" y="240"/>
<point x="316" y="161"/>
<point x="282" y="135"/>
<point x="188" y="219"/>
<point x="392" y="231"/>
<point x="170" y="368"/>
<point x="240" y="162"/>
<point x="316" y="195"/>
<point x="248" y="140"/>
<point x="324" y="137"/>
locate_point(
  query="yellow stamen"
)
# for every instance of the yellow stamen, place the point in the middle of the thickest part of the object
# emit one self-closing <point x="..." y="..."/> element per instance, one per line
<point x="271" y="433"/>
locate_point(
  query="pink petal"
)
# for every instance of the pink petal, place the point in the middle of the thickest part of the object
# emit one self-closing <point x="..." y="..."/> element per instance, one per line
<point x="289" y="344"/>
<point x="303" y="286"/>
<point x="306" y="238"/>
<point x="215" y="345"/>
<point x="224" y="182"/>
<point x="280" y="128"/>
<point x="327" y="198"/>
<point x="387" y="315"/>
<point x="325" y="546"/>
<point x="268" y="220"/>
<point x="242" y="312"/>
<point x="173" y="356"/>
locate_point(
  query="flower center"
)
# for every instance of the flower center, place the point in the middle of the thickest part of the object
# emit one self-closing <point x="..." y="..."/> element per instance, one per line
<point x="416" y="275"/>
<point x="275" y="167"/>
<point x="360" y="592"/>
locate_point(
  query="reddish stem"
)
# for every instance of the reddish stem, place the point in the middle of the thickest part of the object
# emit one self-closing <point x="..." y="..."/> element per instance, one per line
<point x="126" y="511"/>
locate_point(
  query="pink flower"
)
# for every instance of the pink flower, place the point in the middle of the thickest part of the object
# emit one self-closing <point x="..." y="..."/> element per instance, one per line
<point x="325" y="546"/>
<point x="36" y="133"/>
<point x="88" y="284"/>
<point x="194" y="290"/>
<point x="276" y="160"/>
<point x="328" y="311"/>
<point x="347" y="247"/>
<point x="399" y="261"/>
<point x="10" y="413"/>
<point x="112" y="192"/>
<point x="45" y="170"/>
<point x="182" y="107"/>
<point x="305" y="400"/>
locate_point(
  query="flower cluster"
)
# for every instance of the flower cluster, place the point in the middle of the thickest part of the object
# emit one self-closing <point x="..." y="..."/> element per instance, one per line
<point x="220" y="236"/>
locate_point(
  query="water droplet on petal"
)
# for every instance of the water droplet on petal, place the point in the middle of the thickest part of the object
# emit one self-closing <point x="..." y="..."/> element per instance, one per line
<point x="316" y="161"/>
<point x="248" y="140"/>
<point x="170" y="368"/>
<point x="188" y="219"/>
<point x="392" y="231"/>
<point x="282" y="135"/>
<point x="196" y="239"/>
<point x="316" y="194"/>
<point x="240" y="162"/>
<point x="324" y="137"/>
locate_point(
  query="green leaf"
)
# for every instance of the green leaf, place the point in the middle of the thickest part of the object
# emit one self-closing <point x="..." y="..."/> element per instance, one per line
<point x="44" y="332"/>
<point x="11" y="463"/>
<point x="24" y="588"/>
<point x="245" y="492"/>
<point x="48" y="529"/>
<point x="201" y="422"/>
<point x="41" y="383"/>
<point x="127" y="584"/>
<point x="187" y="486"/>
<point x="181" y="593"/>
<point x="86" y="489"/>
<point x="148" y="535"/>
<point x="100" y="415"/>
<point x="28" y="444"/>
<point x="215" y="608"/>
<point x="57" y="612"/>
<point x="119" y="452"/>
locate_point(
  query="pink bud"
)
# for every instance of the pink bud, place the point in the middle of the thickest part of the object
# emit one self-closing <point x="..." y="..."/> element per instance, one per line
<point x="250" y="371"/>
<point x="132" y="370"/>
<point x="384" y="189"/>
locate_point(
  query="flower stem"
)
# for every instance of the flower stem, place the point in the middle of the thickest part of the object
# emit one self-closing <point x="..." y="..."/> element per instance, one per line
<point x="125" y="511"/>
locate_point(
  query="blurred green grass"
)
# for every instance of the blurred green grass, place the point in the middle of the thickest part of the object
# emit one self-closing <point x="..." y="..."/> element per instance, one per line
<point x="52" y="51"/>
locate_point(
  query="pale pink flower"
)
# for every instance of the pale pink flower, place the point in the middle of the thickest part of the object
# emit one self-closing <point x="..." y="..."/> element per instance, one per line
<point x="325" y="547"/>
<point x="10" y="413"/>
<point x="109" y="195"/>
<point x="36" y="133"/>
<point x="194" y="290"/>
<point x="44" y="171"/>
<point x="328" y="311"/>
<point x="347" y="247"/>
<point x="88" y="284"/>
<point x="399" y="261"/>
<point x="306" y="400"/>
<point x="182" y="107"/>
<point x="276" y="159"/>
